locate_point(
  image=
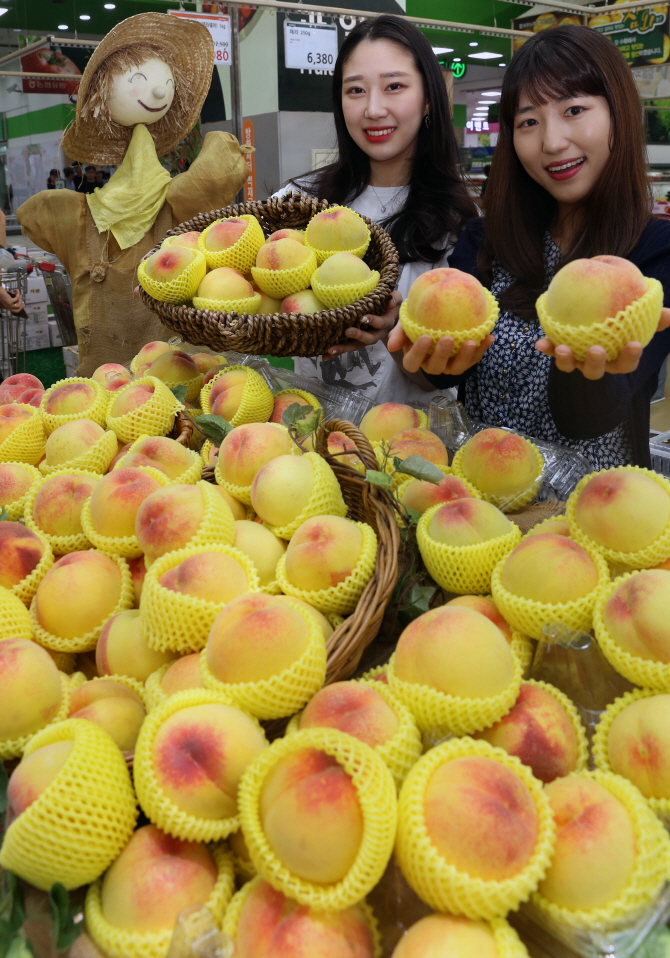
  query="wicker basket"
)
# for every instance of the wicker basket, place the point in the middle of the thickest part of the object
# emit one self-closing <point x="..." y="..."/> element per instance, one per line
<point x="282" y="334"/>
<point x="182" y="431"/>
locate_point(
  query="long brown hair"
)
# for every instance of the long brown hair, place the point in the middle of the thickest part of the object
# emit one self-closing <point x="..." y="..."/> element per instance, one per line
<point x="564" y="62"/>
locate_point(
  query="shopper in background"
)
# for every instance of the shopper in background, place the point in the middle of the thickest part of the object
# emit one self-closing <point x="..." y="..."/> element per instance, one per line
<point x="398" y="164"/>
<point x="99" y="177"/>
<point x="89" y="184"/>
<point x="568" y="180"/>
<point x="51" y="179"/>
<point x="78" y="174"/>
<point x="69" y="177"/>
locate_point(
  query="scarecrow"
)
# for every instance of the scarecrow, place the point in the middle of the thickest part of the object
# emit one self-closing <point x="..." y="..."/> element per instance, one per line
<point x="140" y="95"/>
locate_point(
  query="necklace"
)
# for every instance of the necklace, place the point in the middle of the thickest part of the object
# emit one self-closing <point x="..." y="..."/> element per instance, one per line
<point x="383" y="208"/>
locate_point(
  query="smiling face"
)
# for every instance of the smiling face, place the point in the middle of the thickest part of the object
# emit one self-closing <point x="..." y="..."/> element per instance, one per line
<point x="564" y="145"/>
<point x="383" y="100"/>
<point x="142" y="94"/>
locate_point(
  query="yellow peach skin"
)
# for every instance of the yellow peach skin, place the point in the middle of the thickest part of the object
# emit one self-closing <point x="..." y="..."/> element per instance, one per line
<point x="212" y="576"/>
<point x="421" y="495"/>
<point x="21" y="552"/>
<point x="71" y="440"/>
<point x="151" y="351"/>
<point x="184" y="673"/>
<point x="588" y="291"/>
<point x="92" y="583"/>
<point x="485" y="606"/>
<point x="322" y="553"/>
<point x="447" y="300"/>
<point x="282" y="488"/>
<point x="436" y="936"/>
<point x="388" y="418"/>
<point x="15" y="481"/>
<point x="341" y="269"/>
<point x="58" y="504"/>
<point x="549" y="568"/>
<point x="422" y="442"/>
<point x="113" y="706"/>
<point x="169" y="263"/>
<point x="31" y="688"/>
<point x="499" y="463"/>
<point x="225" y="284"/>
<point x="248" y="448"/>
<point x="355" y="709"/>
<point x="123" y="650"/>
<point x="283" y="402"/>
<point x="226" y="393"/>
<point x="338" y="229"/>
<point x="305" y="301"/>
<point x="622" y="510"/>
<point x="637" y="615"/>
<point x="465" y="522"/>
<point x="168" y="519"/>
<point x="117" y="498"/>
<point x="282" y="254"/>
<point x="70" y="399"/>
<point x="262" y="546"/>
<point x="11" y="417"/>
<point x="34" y="774"/>
<point x="236" y="507"/>
<point x="638" y="745"/>
<point x="174" y="367"/>
<point x="159" y="452"/>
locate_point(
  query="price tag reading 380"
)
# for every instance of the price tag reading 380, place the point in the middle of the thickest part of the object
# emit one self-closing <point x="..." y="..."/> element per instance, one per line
<point x="310" y="46"/>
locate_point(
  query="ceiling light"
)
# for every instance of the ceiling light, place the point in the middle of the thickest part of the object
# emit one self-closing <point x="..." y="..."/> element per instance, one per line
<point x="485" y="55"/>
<point x="3" y="10"/>
<point x="439" y="50"/>
<point x="63" y="26"/>
<point x="457" y="59"/>
<point x="487" y="102"/>
<point x="84" y="16"/>
<point x="474" y="43"/>
<point x="110" y="6"/>
<point x="489" y="93"/>
<point x="502" y="64"/>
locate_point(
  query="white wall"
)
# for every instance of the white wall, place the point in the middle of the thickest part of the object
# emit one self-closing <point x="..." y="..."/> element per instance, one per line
<point x="258" y="65"/>
<point x="299" y="134"/>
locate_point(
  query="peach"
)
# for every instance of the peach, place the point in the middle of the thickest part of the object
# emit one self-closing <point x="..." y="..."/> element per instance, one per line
<point x="138" y="571"/>
<point x="388" y="418"/>
<point x="58" y="504"/>
<point x="457" y="651"/>
<point x="622" y="510"/>
<point x="337" y="229"/>
<point x="206" y="361"/>
<point x="92" y="583"/>
<point x="448" y="300"/>
<point x="305" y="301"/>
<point x="438" y="935"/>
<point x="200" y="754"/>
<point x="485" y="606"/>
<point x="15" y="481"/>
<point x="549" y="568"/>
<point x="269" y="305"/>
<point x="112" y="376"/>
<point x="344" y="449"/>
<point x="323" y="552"/>
<point x="638" y="745"/>
<point x="168" y="519"/>
<point x="12" y="387"/>
<point x="499" y="463"/>
<point x="282" y="489"/>
<point x="558" y="526"/>
<point x="21" y="552"/>
<point x="183" y="673"/>
<point x="71" y="440"/>
<point x="31" y="688"/>
<point x="297" y="235"/>
<point x="212" y="576"/>
<point x="539" y="732"/>
<point x="225" y="233"/>
<point x="282" y="254"/>
<point x="224" y="284"/>
<point x="159" y="452"/>
<point x="113" y="707"/>
<point x="272" y="926"/>
<point x="637" y="615"/>
<point x="154" y="879"/>
<point x="31" y="397"/>
<point x="34" y="774"/>
<point x="11" y="417"/>
<point x="322" y="621"/>
<point x="116" y="499"/>
<point x="311" y="816"/>
<point x="123" y="650"/>
<point x="481" y="817"/>
<point x="169" y="263"/>
<point x="123" y="448"/>
<point x="70" y="399"/>
<point x="255" y="637"/>
<point x="152" y="351"/>
<point x="283" y="402"/>
<point x="421" y="495"/>
<point x="466" y="522"/>
<point x="189" y="240"/>
<point x="262" y="546"/>
<point x="421" y="442"/>
<point x="131" y="398"/>
<point x="588" y="291"/>
<point x="226" y="394"/>
<point x="174" y="367"/>
<point x="355" y="709"/>
<point x="595" y="845"/>
<point x="237" y="508"/>
<point x="249" y="447"/>
<point x="340" y="269"/>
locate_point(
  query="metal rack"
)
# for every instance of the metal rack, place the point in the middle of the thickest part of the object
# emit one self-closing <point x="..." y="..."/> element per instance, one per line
<point x="13" y="328"/>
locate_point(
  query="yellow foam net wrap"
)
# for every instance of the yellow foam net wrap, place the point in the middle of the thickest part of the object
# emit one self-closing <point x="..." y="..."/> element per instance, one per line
<point x="650" y="869"/>
<point x="647" y="673"/>
<point x="16" y="509"/>
<point x="243" y="493"/>
<point x="179" y="290"/>
<point x="156" y="805"/>
<point x="14" y="748"/>
<point x="248" y="305"/>
<point x="27" y="587"/>
<point x="153" y="690"/>
<point x="188" y="478"/>
<point x="82" y="820"/>
<point x="178" y="622"/>
<point x="325" y="500"/>
<point x="64" y="662"/>
<point x="336" y="297"/>
<point x="242" y="255"/>
<point x="282" y="694"/>
<point x="635" y="323"/>
<point x="121" y="943"/>
<point x="437" y="713"/>
<point x="154" y="418"/>
<point x="257" y="401"/>
<point x="523" y="649"/>
<point x="506" y="502"/>
<point x="405" y="484"/>
<point x="234" y="911"/>
<point x="205" y="451"/>
<point x="459" y="336"/>
<point x="96" y="459"/>
<point x="439" y="883"/>
<point x="61" y="545"/>
<point x="530" y="617"/>
<point x="280" y="283"/>
<point x="323" y="254"/>
<point x="27" y="442"/>
<point x="376" y="794"/>
<point x="466" y="570"/>
<point x="15" y="621"/>
<point x="85" y="643"/>
<point x="96" y="412"/>
<point x="308" y="397"/>
<point x="655" y="553"/>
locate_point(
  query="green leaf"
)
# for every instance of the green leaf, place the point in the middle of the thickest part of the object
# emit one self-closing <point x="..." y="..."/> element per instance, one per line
<point x="20" y="947"/>
<point x="6" y="938"/>
<point x="4" y="515"/>
<point x="179" y="392"/>
<point x="380" y="479"/>
<point x="214" y="427"/>
<point x="294" y="413"/>
<point x="417" y="601"/>
<point x="412" y="516"/>
<point x="65" y="929"/>
<point x="419" y="468"/>
<point x="304" y="419"/>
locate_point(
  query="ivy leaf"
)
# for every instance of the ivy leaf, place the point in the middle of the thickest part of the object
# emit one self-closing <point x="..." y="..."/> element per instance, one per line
<point x="380" y="479"/>
<point x="214" y="427"/>
<point x="4" y="515"/>
<point x="304" y="419"/>
<point x="19" y="947"/>
<point x="66" y="931"/>
<point x="417" y="601"/>
<point x="419" y="468"/>
<point x="179" y="392"/>
<point x="412" y="516"/>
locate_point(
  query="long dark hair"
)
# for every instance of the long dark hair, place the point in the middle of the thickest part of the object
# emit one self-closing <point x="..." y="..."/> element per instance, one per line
<point x="564" y="62"/>
<point x="438" y="205"/>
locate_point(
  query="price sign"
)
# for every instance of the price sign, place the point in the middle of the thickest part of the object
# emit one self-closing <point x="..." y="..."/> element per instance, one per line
<point x="219" y="29"/>
<point x="310" y="46"/>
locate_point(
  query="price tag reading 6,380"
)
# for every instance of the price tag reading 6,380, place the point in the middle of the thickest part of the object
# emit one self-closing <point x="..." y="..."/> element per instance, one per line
<point x="310" y="46"/>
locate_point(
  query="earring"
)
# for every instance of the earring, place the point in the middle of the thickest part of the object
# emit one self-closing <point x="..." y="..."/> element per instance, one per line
<point x="427" y="120"/>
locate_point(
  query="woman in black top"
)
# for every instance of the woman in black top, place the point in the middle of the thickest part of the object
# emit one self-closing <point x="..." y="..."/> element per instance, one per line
<point x="568" y="180"/>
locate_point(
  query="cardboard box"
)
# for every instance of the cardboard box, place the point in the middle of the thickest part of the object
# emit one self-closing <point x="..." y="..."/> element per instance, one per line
<point x="37" y="313"/>
<point x="37" y="337"/>
<point x="36" y="291"/>
<point x="54" y="333"/>
<point x="71" y="359"/>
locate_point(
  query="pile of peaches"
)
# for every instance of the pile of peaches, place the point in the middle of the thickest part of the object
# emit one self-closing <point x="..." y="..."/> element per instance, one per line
<point x="173" y="618"/>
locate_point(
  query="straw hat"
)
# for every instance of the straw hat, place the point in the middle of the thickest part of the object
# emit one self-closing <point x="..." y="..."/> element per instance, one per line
<point x="185" y="43"/>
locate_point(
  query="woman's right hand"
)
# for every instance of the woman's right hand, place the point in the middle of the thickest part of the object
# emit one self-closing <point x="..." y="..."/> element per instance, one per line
<point x="443" y="361"/>
<point x="11" y="301"/>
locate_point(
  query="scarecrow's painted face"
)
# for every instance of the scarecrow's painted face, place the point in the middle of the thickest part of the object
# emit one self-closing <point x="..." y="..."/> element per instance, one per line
<point x="142" y="94"/>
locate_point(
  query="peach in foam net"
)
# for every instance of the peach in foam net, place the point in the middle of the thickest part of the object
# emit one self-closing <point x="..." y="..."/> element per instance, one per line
<point x="638" y="745"/>
<point x="466" y="522"/>
<point x="337" y="229"/>
<point x="169" y="518"/>
<point x="16" y="479"/>
<point x="32" y="689"/>
<point x="34" y="774"/>
<point x="420" y="495"/>
<point x="637" y="615"/>
<point x="122" y="648"/>
<point x="500" y="464"/>
<point x="116" y="499"/>
<point x="70" y="399"/>
<point x="212" y="576"/>
<point x="113" y="706"/>
<point x="183" y="673"/>
<point x="160" y="452"/>
<point x="94" y="586"/>
<point x="21" y="552"/>
<point x="450" y="935"/>
<point x="386" y="419"/>
<point x="72" y="440"/>
<point x="550" y="569"/>
<point x="248" y="448"/>
<point x="323" y="553"/>
<point x="263" y="547"/>
<point x="58" y="504"/>
<point x="282" y="488"/>
<point x="355" y="709"/>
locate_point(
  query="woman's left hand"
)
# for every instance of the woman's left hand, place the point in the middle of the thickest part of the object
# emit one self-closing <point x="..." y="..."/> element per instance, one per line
<point x="595" y="365"/>
<point x="378" y="327"/>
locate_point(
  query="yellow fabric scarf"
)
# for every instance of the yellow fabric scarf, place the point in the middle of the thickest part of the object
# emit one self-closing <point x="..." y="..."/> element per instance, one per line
<point x="132" y="199"/>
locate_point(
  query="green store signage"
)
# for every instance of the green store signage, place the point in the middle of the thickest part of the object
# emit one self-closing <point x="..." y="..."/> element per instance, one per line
<point x="640" y="35"/>
<point x="458" y="69"/>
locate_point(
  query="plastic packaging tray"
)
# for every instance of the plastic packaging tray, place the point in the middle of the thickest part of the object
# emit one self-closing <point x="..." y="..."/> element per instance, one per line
<point x="659" y="447"/>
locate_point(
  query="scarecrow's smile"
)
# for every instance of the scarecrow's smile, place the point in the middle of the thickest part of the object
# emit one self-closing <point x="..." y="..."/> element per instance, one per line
<point x="153" y="109"/>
